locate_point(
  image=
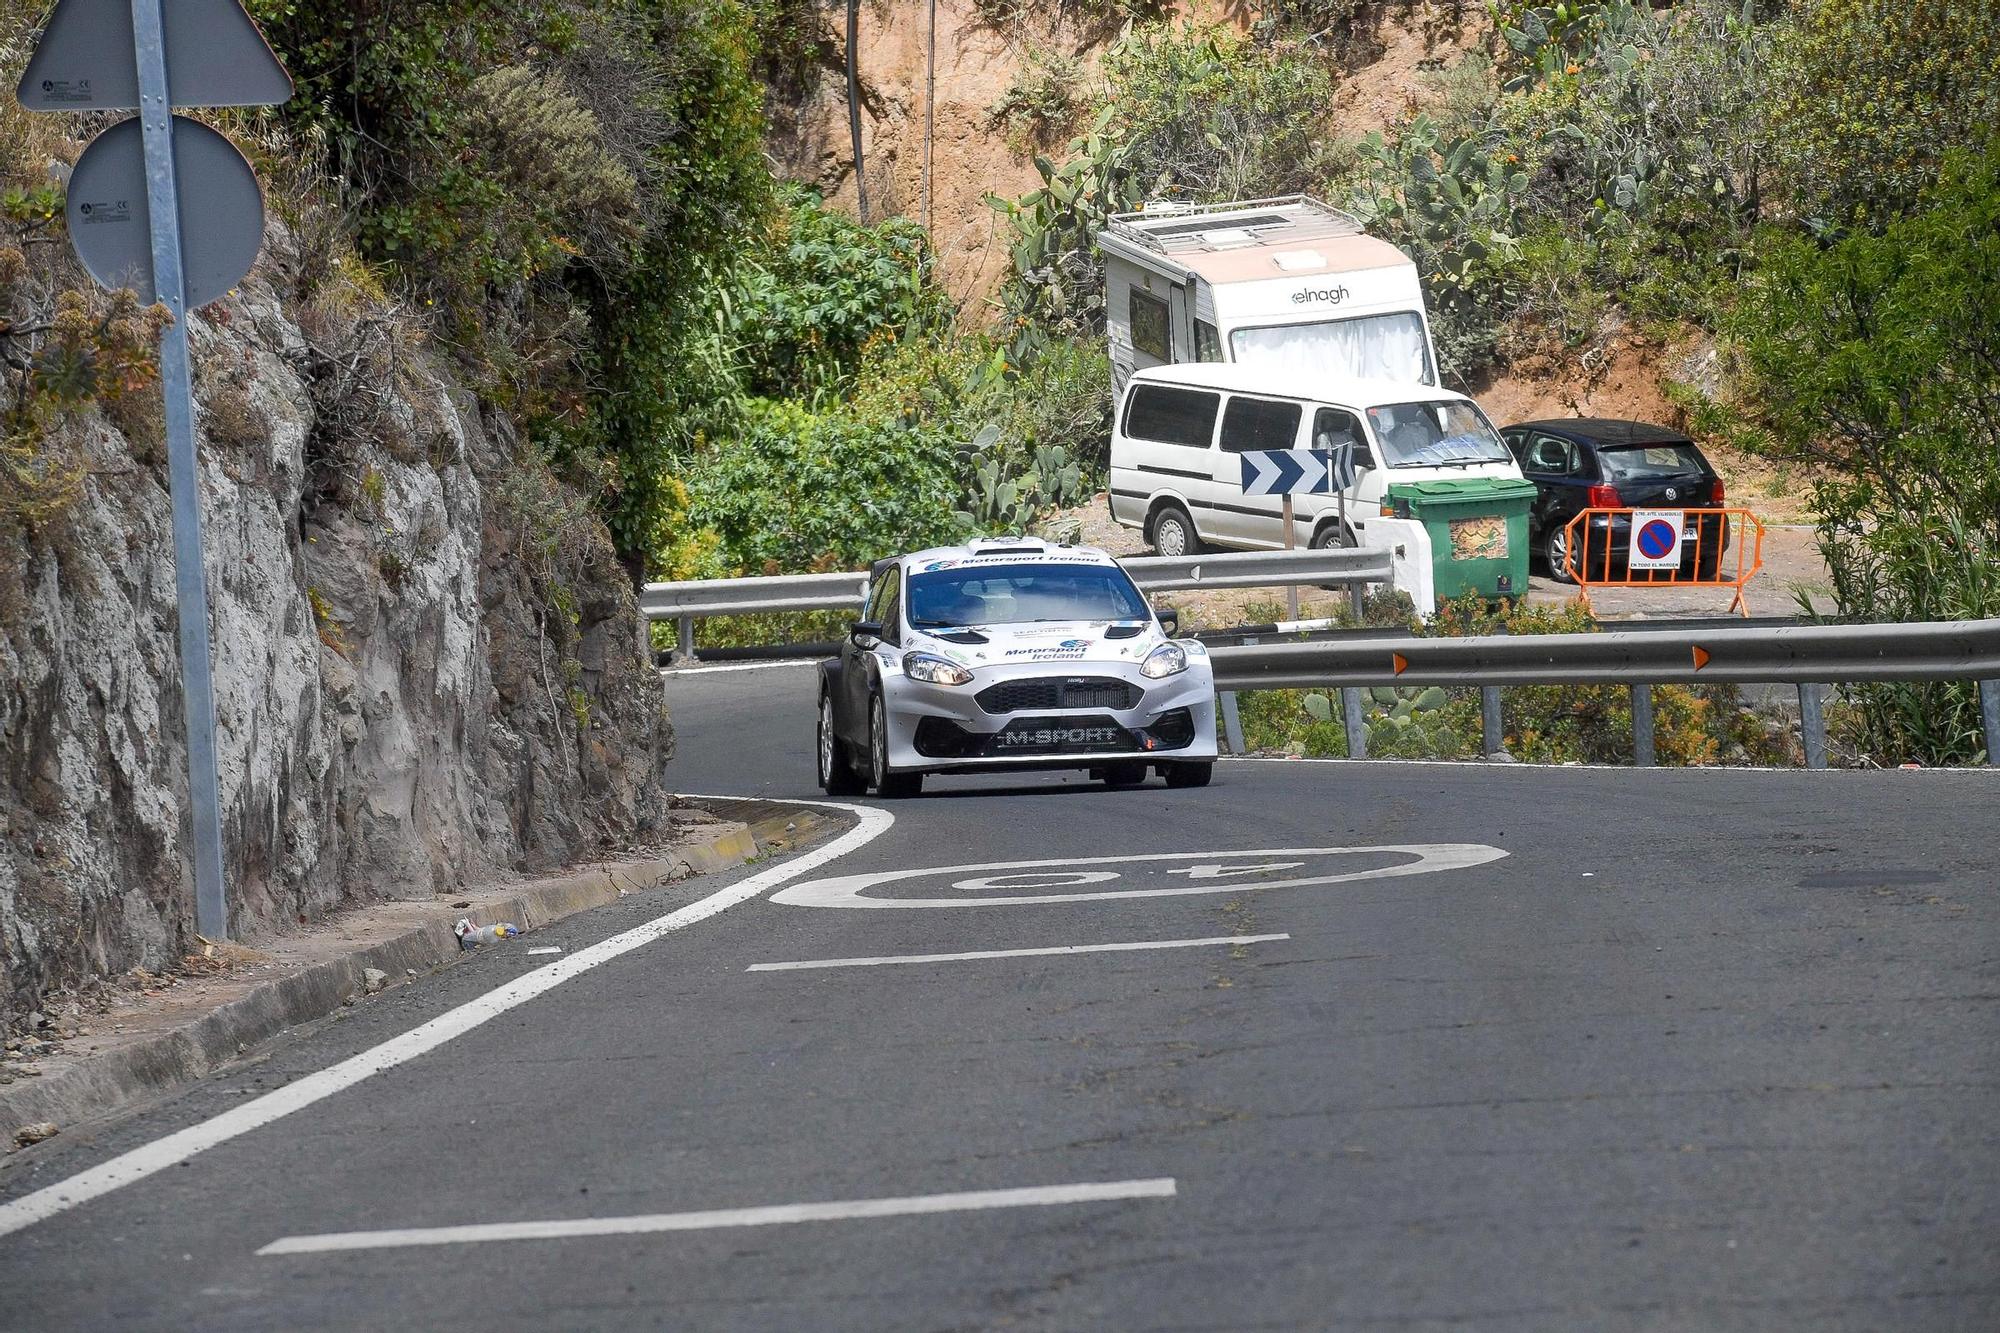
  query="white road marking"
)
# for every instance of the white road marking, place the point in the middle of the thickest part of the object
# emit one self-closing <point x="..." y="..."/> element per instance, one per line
<point x="1976" y="774"/>
<point x="1064" y="879"/>
<point x="848" y="1210"/>
<point x="160" y="1154"/>
<point x="1049" y="952"/>
<point x="1227" y="872"/>
<point x="850" y="890"/>
<point x="722" y="667"/>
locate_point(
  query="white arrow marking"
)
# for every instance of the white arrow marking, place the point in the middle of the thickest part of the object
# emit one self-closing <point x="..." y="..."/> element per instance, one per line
<point x="1225" y="872"/>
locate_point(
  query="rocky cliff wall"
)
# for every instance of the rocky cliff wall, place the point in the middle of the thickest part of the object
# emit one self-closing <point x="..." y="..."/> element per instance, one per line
<point x="427" y="668"/>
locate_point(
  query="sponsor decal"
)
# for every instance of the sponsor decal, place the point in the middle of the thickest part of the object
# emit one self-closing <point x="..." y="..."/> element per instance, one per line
<point x="1046" y="654"/>
<point x="1042" y="737"/>
<point x="937" y="565"/>
<point x="1078" y="644"/>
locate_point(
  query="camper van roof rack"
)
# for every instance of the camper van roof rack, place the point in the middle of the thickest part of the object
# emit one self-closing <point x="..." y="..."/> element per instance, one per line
<point x="1173" y="227"/>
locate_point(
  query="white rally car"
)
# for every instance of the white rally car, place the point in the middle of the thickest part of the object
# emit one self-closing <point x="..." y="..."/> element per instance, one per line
<point x="1011" y="654"/>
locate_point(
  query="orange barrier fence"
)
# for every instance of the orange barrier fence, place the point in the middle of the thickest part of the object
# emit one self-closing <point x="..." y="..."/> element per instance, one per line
<point x="1702" y="548"/>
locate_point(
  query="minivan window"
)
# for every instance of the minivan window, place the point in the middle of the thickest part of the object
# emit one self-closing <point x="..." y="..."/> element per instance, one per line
<point x="1441" y="433"/>
<point x="1150" y="333"/>
<point x="1172" y="416"/>
<point x="1333" y="428"/>
<point x="1259" y="423"/>
<point x="1207" y="342"/>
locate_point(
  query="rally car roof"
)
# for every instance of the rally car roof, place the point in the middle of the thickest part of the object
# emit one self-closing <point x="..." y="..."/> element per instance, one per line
<point x="1013" y="550"/>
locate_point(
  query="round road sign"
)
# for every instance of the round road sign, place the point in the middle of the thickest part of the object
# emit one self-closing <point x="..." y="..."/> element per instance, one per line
<point x="1658" y="538"/>
<point x="222" y="211"/>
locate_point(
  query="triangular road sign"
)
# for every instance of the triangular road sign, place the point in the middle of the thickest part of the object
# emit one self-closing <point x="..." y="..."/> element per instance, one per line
<point x="215" y="57"/>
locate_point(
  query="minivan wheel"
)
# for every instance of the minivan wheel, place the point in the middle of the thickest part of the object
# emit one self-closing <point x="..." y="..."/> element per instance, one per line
<point x="1174" y="534"/>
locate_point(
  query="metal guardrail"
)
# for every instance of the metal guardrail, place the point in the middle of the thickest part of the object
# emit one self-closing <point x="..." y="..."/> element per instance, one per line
<point x="687" y="601"/>
<point x="1810" y="656"/>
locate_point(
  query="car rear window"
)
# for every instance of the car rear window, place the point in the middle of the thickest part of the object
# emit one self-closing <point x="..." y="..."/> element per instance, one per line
<point x="1651" y="460"/>
<point x="1171" y="416"/>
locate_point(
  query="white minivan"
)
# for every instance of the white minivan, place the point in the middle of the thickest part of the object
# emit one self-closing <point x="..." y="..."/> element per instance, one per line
<point x="1176" y="473"/>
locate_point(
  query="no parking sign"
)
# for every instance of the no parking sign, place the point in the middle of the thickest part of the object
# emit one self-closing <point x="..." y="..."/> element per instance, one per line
<point x="1656" y="539"/>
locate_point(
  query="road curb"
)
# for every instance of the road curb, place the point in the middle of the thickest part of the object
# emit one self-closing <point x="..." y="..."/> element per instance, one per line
<point x="111" y="1081"/>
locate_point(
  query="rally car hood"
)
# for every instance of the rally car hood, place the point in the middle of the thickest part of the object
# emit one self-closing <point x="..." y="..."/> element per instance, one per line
<point x="977" y="646"/>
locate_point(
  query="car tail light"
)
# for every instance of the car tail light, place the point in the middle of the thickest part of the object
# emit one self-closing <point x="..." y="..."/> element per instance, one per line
<point x="1605" y="497"/>
<point x="1717" y="493"/>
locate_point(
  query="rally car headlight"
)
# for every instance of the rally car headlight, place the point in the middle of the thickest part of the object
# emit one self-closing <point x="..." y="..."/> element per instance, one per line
<point x="935" y="670"/>
<point x="1169" y="659"/>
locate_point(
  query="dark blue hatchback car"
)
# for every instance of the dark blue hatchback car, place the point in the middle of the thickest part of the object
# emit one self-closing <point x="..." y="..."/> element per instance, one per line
<point x="1580" y="463"/>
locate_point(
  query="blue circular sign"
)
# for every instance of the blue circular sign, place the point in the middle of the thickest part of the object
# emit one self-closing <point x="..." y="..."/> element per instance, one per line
<point x="1656" y="539"/>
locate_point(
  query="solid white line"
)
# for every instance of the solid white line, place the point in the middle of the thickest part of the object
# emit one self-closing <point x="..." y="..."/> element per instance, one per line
<point x="721" y="667"/>
<point x="1013" y="953"/>
<point x="175" y="1148"/>
<point x="1039" y="1196"/>
<point x="1483" y="766"/>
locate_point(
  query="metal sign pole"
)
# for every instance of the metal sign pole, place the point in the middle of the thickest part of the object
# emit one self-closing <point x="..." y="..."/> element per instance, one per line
<point x="1291" y="541"/>
<point x="197" y="688"/>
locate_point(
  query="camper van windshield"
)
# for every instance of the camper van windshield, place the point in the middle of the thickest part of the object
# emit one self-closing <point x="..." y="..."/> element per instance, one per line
<point x="1376" y="347"/>
<point x="1436" y="434"/>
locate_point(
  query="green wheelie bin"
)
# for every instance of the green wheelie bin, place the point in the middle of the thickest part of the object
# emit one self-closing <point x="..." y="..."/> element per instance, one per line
<point x="1479" y="532"/>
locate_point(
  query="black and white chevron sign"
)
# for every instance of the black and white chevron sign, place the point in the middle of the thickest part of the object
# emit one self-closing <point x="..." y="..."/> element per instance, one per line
<point x="1287" y="472"/>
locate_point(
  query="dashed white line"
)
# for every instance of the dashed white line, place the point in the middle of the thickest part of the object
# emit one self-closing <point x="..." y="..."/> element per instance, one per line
<point x="175" y="1148"/>
<point x="1051" y="951"/>
<point x="1038" y="1196"/>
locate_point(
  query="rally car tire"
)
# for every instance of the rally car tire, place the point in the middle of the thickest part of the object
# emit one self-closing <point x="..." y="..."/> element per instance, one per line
<point x="1189" y="775"/>
<point x="889" y="784"/>
<point x="836" y="768"/>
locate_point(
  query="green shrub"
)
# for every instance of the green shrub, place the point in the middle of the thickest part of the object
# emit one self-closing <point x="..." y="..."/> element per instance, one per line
<point x="1043" y="103"/>
<point x="1876" y="362"/>
<point x="1209" y="114"/>
<point x="800" y="490"/>
<point x="1541" y="724"/>
<point x="801" y="304"/>
<point x="1868" y="97"/>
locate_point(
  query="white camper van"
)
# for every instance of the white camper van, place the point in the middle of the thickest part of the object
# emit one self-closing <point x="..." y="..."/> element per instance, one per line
<point x="1289" y="284"/>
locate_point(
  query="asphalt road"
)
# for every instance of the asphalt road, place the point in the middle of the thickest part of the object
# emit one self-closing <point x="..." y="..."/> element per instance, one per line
<point x="1701" y="1050"/>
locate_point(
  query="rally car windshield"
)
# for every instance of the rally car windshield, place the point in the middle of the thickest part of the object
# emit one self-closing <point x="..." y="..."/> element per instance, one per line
<point x="1021" y="594"/>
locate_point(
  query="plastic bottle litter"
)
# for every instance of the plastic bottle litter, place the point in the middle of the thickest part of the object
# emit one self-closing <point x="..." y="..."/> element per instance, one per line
<point x="471" y="936"/>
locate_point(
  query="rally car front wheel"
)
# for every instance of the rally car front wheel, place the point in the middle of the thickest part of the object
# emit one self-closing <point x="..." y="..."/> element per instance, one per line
<point x="888" y="783"/>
